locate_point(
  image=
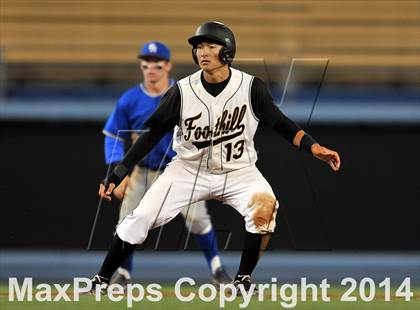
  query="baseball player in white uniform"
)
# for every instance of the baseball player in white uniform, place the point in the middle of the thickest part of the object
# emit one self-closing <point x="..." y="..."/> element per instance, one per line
<point x="215" y="113"/>
<point x="125" y="123"/>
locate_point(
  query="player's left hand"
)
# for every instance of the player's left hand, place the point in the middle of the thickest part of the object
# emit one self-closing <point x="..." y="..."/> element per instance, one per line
<point x="329" y="156"/>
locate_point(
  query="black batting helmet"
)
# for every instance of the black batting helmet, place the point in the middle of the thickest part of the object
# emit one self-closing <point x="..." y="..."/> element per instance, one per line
<point x="218" y="33"/>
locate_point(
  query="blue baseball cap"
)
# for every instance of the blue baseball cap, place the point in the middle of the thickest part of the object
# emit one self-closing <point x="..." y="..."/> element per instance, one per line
<point x="155" y="49"/>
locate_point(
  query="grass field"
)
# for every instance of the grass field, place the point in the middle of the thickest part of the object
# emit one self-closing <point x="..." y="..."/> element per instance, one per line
<point x="170" y="301"/>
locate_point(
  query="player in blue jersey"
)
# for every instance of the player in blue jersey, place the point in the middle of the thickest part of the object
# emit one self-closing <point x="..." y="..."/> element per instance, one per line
<point x="126" y="123"/>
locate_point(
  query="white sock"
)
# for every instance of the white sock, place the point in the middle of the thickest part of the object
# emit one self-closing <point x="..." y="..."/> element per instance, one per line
<point x="124" y="272"/>
<point x="215" y="263"/>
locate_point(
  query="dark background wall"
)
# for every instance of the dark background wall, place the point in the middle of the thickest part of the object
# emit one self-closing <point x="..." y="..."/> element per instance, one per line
<point x="51" y="171"/>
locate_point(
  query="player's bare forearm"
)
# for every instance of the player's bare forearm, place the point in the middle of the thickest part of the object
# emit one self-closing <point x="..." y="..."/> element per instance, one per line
<point x="119" y="191"/>
<point x="298" y="137"/>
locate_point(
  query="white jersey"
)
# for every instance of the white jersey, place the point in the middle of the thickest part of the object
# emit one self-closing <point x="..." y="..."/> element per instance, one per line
<point x="216" y="132"/>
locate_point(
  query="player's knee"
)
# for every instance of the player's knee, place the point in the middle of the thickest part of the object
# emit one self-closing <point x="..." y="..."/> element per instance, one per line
<point x="130" y="236"/>
<point x="198" y="225"/>
<point x="264" y="205"/>
<point x="197" y="220"/>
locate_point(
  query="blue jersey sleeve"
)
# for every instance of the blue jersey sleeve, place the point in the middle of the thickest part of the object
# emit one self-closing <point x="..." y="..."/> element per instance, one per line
<point x="118" y="122"/>
<point x="114" y="150"/>
<point x="116" y="131"/>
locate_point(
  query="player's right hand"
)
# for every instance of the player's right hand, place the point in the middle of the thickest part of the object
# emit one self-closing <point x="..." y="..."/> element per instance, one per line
<point x="105" y="190"/>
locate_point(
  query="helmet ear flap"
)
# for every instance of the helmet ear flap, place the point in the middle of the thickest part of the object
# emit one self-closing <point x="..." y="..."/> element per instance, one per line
<point x="225" y="55"/>
<point x="222" y="55"/>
